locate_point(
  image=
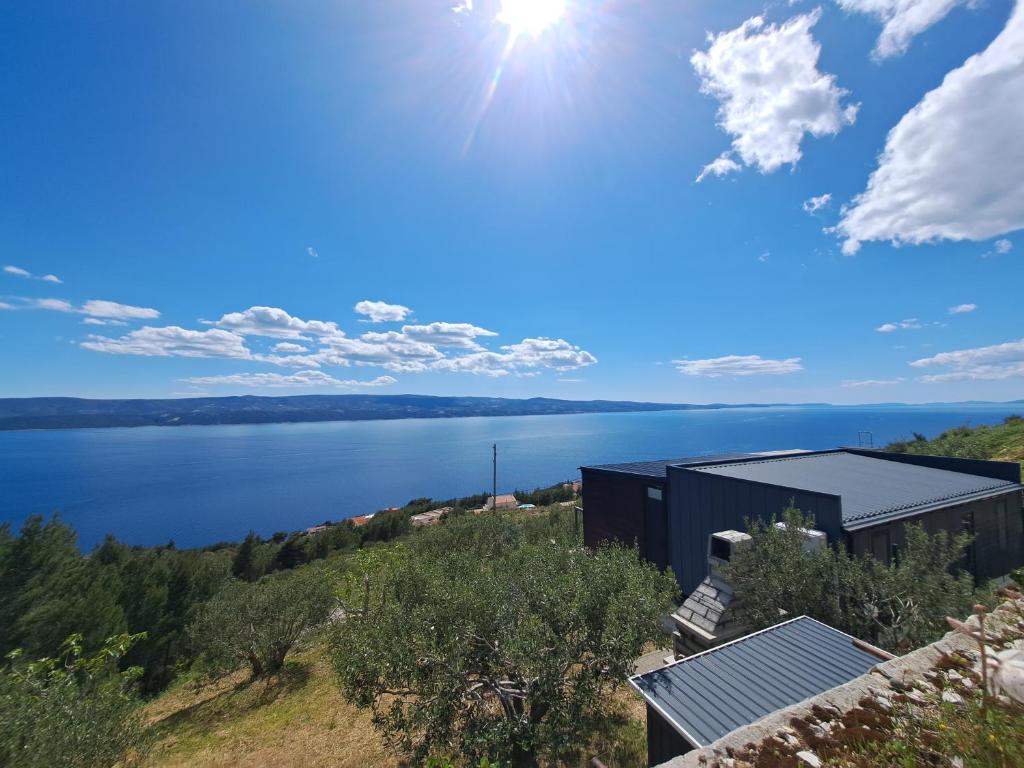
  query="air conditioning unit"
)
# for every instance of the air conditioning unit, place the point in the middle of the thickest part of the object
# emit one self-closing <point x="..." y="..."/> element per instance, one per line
<point x="814" y="540"/>
<point x="722" y="546"/>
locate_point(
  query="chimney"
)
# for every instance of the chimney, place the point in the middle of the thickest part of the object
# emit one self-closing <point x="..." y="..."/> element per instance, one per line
<point x="706" y="619"/>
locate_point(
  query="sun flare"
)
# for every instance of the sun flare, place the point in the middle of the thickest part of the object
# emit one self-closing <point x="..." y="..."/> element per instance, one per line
<point x="529" y="17"/>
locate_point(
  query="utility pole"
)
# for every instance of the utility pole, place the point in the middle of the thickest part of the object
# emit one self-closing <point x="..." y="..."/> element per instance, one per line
<point x="494" y="479"/>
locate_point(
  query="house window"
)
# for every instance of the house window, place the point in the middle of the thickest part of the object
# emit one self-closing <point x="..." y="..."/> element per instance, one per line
<point x="1002" y="522"/>
<point x="654" y="493"/>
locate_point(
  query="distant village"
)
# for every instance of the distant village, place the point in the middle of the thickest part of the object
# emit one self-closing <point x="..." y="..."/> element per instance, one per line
<point x="503" y="501"/>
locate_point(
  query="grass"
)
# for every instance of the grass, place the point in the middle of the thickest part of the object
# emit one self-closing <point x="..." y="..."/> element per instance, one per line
<point x="1003" y="442"/>
<point x="298" y="718"/>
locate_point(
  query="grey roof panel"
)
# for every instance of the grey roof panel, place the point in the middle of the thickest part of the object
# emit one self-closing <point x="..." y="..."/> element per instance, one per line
<point x="713" y="693"/>
<point x="870" y="488"/>
<point x="659" y="467"/>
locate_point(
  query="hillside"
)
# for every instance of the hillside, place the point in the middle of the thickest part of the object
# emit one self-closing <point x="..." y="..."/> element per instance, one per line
<point x="72" y="412"/>
<point x="1002" y="442"/>
<point x="298" y="718"/>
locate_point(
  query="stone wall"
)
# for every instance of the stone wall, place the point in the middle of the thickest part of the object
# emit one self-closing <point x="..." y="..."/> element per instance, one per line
<point x="796" y="730"/>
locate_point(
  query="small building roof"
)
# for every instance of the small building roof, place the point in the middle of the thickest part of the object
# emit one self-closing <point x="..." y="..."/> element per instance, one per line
<point x="707" y="696"/>
<point x="871" y="489"/>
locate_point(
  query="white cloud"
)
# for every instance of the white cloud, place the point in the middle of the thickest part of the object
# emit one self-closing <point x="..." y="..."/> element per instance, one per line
<point x="953" y="167"/>
<point x="1003" y="246"/>
<point x="720" y="166"/>
<point x="274" y="322"/>
<point x="172" y="341"/>
<point x="5" y="305"/>
<point x="764" y="256"/>
<point x="902" y="19"/>
<point x="873" y="382"/>
<point x="111" y="309"/>
<point x="771" y="93"/>
<point x="557" y="354"/>
<point x="995" y="362"/>
<point x="313" y="252"/>
<point x="382" y="312"/>
<point x="295" y="380"/>
<point x="287" y="346"/>
<point x="97" y="311"/>
<point x="56" y="305"/>
<point x="911" y="323"/>
<point x="961" y="309"/>
<point x="815" y="204"/>
<point x="447" y="334"/>
<point x="413" y="349"/>
<point x="738" y="365"/>
<point x="19" y="272"/>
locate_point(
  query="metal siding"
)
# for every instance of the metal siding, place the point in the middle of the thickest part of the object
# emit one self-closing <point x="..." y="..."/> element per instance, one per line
<point x="613" y="508"/>
<point x="702" y="503"/>
<point x="714" y="693"/>
<point x="991" y="559"/>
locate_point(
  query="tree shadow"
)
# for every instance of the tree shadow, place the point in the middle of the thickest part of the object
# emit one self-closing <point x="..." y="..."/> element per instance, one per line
<point x="234" y="701"/>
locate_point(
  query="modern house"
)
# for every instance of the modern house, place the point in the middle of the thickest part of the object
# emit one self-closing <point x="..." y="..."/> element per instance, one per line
<point x="693" y="702"/>
<point x="860" y="499"/>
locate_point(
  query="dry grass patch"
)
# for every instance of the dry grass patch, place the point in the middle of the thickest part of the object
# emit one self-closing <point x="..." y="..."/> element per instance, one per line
<point x="298" y="718"/>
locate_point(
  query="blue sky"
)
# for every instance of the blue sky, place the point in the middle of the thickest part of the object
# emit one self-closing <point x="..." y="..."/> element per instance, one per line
<point x="387" y="197"/>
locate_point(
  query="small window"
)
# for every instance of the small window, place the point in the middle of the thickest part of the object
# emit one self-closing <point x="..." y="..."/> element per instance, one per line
<point x="1003" y="524"/>
<point x="654" y="493"/>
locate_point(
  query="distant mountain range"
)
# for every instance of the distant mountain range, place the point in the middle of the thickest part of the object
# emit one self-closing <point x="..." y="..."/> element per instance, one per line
<point x="76" y="413"/>
<point x="73" y="412"/>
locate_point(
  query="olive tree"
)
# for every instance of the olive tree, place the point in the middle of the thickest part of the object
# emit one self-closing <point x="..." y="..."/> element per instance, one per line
<point x="507" y="647"/>
<point x="899" y="606"/>
<point x="259" y="623"/>
<point x="71" y="710"/>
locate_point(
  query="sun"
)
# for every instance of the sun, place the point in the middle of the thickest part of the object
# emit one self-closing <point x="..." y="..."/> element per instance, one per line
<point x="529" y="17"/>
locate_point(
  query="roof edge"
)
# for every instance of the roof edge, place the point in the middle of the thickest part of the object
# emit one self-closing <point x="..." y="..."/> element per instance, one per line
<point x="860" y="524"/>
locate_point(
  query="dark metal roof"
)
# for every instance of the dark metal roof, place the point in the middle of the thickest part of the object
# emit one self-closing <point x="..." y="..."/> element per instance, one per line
<point x="658" y="468"/>
<point x="871" y="489"/>
<point x="707" y="696"/>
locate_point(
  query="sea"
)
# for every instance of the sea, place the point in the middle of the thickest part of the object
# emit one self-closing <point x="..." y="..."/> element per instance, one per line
<point x="196" y="485"/>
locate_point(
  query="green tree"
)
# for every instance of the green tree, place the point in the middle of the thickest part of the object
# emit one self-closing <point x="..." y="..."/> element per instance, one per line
<point x="260" y="623"/>
<point x="71" y="710"/>
<point x="243" y="564"/>
<point x="898" y="606"/>
<point x="49" y="590"/>
<point x="484" y="638"/>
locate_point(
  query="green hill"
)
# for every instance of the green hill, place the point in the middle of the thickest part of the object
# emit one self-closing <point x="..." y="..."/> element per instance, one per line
<point x="1002" y="442"/>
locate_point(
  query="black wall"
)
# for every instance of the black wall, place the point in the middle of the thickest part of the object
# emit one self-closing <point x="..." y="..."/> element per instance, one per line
<point x="615" y="508"/>
<point x="998" y="545"/>
<point x="701" y="503"/>
<point x="663" y="741"/>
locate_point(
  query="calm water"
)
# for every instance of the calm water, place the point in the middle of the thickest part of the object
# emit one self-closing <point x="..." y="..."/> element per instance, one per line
<point x="198" y="485"/>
